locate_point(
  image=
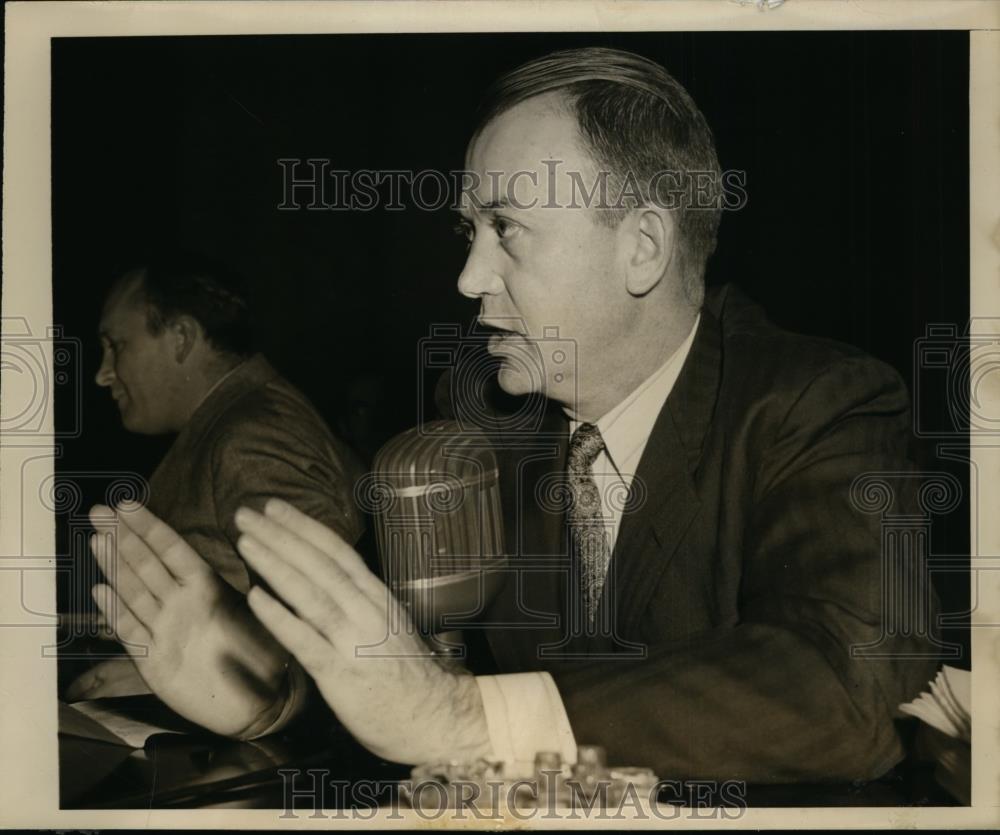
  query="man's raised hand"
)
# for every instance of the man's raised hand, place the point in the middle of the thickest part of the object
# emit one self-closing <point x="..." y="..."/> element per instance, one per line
<point x="194" y="641"/>
<point x="352" y="636"/>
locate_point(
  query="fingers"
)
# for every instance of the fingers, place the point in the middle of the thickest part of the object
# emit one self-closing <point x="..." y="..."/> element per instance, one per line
<point x="286" y="546"/>
<point x="310" y="649"/>
<point x="298" y="589"/>
<point x="127" y="628"/>
<point x="132" y="550"/>
<point x="125" y="582"/>
<point x="163" y="542"/>
<point x="325" y="540"/>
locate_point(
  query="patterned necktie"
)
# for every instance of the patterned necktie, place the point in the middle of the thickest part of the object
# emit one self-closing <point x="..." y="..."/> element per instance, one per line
<point x="587" y="527"/>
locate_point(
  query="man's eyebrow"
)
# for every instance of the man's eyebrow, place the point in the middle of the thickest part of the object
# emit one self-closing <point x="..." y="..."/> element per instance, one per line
<point x="491" y="206"/>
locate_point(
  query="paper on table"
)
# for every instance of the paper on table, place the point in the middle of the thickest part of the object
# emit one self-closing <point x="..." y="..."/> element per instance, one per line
<point x="129" y="720"/>
<point x="73" y="722"/>
<point x="947" y="706"/>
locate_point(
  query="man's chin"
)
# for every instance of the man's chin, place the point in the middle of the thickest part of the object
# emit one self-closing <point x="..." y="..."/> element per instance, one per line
<point x="516" y="382"/>
<point x="134" y="428"/>
<point x="139" y="427"/>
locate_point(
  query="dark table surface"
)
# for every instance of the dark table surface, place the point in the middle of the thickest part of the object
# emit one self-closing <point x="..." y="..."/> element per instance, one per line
<point x="201" y="771"/>
<point x="174" y="771"/>
<point x="323" y="764"/>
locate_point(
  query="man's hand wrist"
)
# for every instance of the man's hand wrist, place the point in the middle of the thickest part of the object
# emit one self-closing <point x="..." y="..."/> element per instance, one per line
<point x="471" y="737"/>
<point x="270" y="715"/>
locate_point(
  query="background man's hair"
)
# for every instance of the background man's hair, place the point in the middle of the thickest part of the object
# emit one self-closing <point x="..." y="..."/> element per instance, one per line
<point x="179" y="283"/>
<point x="636" y="119"/>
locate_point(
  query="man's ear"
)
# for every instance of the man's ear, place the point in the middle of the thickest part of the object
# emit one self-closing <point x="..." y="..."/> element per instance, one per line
<point x="652" y="239"/>
<point x="186" y="333"/>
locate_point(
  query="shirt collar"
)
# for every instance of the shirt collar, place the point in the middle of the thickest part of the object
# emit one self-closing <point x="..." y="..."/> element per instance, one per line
<point x="218" y="383"/>
<point x="627" y="427"/>
<point x="250" y="373"/>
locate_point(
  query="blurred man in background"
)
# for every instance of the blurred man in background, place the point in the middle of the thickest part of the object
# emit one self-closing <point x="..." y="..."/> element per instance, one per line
<point x="178" y="359"/>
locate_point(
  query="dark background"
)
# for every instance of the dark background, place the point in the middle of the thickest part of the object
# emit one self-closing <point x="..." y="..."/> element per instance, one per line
<point x="855" y="146"/>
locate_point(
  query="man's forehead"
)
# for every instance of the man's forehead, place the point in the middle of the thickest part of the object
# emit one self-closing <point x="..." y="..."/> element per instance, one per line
<point x="532" y="147"/>
<point x="521" y="138"/>
<point x="122" y="306"/>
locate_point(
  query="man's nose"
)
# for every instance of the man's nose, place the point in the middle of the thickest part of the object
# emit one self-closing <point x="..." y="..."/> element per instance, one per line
<point x="106" y="373"/>
<point x="478" y="278"/>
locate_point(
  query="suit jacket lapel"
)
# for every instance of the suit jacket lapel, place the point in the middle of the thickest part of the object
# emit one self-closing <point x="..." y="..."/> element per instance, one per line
<point x="663" y="501"/>
<point x="535" y="533"/>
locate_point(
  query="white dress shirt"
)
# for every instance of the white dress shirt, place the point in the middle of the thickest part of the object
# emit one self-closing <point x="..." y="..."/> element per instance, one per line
<point x="524" y="712"/>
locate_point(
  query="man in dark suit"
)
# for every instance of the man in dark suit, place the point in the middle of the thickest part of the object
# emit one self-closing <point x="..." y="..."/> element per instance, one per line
<point x="741" y="577"/>
<point x="703" y="625"/>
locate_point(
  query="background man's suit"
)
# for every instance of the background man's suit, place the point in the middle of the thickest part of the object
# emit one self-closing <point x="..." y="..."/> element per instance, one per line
<point x="746" y="572"/>
<point x="254" y="436"/>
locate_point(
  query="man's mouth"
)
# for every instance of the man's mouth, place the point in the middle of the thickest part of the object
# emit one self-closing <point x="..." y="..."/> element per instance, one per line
<point x="499" y="337"/>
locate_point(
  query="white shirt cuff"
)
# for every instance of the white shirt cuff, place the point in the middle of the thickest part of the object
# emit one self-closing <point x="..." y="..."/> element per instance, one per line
<point x="297" y="691"/>
<point x="525" y="715"/>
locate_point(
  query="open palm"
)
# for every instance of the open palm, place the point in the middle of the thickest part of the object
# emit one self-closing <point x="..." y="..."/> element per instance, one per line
<point x="192" y="636"/>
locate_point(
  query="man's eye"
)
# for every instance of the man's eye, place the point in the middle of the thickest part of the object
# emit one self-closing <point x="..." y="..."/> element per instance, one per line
<point x="504" y="227"/>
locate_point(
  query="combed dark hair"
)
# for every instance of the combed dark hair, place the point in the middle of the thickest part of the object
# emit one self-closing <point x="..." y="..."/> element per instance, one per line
<point x="636" y="119"/>
<point x="180" y="283"/>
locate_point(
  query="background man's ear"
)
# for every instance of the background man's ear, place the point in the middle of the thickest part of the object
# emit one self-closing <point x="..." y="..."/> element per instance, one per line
<point x="654" y="241"/>
<point x="186" y="333"/>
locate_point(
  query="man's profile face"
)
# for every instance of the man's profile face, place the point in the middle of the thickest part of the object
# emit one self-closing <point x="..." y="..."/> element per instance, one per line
<point x="545" y="270"/>
<point x="137" y="366"/>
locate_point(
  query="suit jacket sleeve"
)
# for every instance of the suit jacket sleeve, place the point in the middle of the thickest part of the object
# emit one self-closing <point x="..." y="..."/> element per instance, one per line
<point x="778" y="697"/>
<point x="263" y="455"/>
